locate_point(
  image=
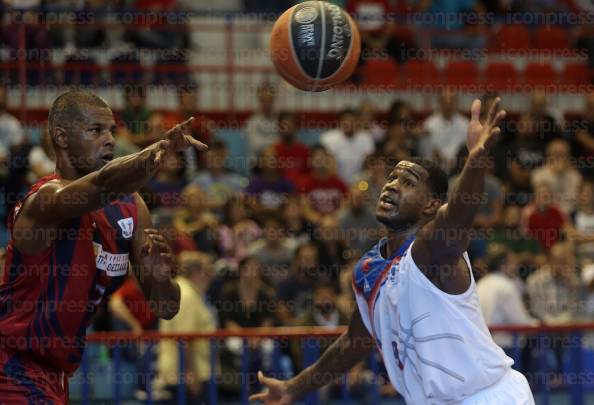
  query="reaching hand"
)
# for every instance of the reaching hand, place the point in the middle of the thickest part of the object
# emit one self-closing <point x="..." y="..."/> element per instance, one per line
<point x="180" y="139"/>
<point x="156" y="255"/>
<point x="277" y="392"/>
<point x="481" y="136"/>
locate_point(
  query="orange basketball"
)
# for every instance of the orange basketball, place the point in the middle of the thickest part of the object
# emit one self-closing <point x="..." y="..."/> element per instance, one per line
<point x="315" y="45"/>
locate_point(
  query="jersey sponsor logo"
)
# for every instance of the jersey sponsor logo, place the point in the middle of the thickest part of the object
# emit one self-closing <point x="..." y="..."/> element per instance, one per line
<point x="114" y="264"/>
<point x="127" y="227"/>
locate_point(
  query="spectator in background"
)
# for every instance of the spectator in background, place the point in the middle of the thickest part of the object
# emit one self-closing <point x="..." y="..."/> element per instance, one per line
<point x="11" y="131"/>
<point x="555" y="290"/>
<point x="401" y="138"/>
<point x="268" y="189"/>
<point x="547" y="126"/>
<point x="445" y="131"/>
<point x="542" y="219"/>
<point x="42" y="160"/>
<point x="274" y="250"/>
<point x="349" y="145"/>
<point x="295" y="293"/>
<point x="194" y="219"/>
<point x="195" y="315"/>
<point x="203" y="128"/>
<point x="508" y="233"/>
<point x="500" y="298"/>
<point x="369" y="123"/>
<point x="292" y="216"/>
<point x="583" y="224"/>
<point x="237" y="231"/>
<point x="322" y="190"/>
<point x="379" y="36"/>
<point x="562" y="177"/>
<point x="135" y="115"/>
<point x="164" y="190"/>
<point x="261" y="128"/>
<point x="333" y="251"/>
<point x="524" y="154"/>
<point x="358" y="227"/>
<point x="218" y="182"/>
<point x="583" y="139"/>
<point x="373" y="177"/>
<point x="292" y="154"/>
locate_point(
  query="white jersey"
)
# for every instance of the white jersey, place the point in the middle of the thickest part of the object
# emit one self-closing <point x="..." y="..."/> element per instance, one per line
<point x="436" y="346"/>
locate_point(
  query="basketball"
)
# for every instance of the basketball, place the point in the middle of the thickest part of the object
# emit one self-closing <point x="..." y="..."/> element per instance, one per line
<point x="315" y="45"/>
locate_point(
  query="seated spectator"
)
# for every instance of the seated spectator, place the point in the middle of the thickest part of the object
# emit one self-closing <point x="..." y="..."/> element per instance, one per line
<point x="555" y="290"/>
<point x="218" y="182"/>
<point x="500" y="298"/>
<point x="292" y="216"/>
<point x="262" y="127"/>
<point x="165" y="189"/>
<point x="562" y="177"/>
<point x="402" y="135"/>
<point x="508" y="233"/>
<point x="292" y="154"/>
<point x="202" y="129"/>
<point x="274" y="250"/>
<point x="195" y="220"/>
<point x="268" y="189"/>
<point x="236" y="232"/>
<point x="445" y="131"/>
<point x="583" y="137"/>
<point x="322" y="191"/>
<point x="42" y="159"/>
<point x="373" y="177"/>
<point x="135" y="115"/>
<point x="333" y="251"/>
<point x="547" y="126"/>
<point x="349" y="145"/>
<point x="369" y="121"/>
<point x="542" y="219"/>
<point x="11" y="131"/>
<point x="375" y="20"/>
<point x="194" y="315"/>
<point x="583" y="224"/>
<point x="295" y="293"/>
<point x="524" y="153"/>
<point x="358" y="227"/>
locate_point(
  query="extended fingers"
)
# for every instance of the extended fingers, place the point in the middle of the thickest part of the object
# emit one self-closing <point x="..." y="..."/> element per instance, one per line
<point x="493" y="112"/>
<point x="475" y="110"/>
<point x="195" y="143"/>
<point x="258" y="397"/>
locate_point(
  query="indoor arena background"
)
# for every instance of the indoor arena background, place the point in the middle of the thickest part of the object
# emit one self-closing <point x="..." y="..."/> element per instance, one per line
<point x="267" y="232"/>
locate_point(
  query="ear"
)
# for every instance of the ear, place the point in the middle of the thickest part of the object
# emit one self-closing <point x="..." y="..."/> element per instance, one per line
<point x="60" y="137"/>
<point x="431" y="207"/>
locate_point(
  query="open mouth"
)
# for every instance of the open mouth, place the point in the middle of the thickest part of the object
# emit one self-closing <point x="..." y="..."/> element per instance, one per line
<point x="108" y="157"/>
<point x="387" y="202"/>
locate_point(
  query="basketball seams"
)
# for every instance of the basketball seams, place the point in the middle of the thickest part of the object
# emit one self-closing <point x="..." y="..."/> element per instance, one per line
<point x="291" y="44"/>
<point x="322" y="45"/>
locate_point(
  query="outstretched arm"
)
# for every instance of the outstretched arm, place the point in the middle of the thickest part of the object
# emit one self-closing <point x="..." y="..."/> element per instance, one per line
<point x="346" y="352"/>
<point x="440" y="243"/>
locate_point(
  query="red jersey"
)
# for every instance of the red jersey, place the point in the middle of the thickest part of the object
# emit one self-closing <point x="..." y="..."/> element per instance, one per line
<point x="48" y="300"/>
<point x="545" y="226"/>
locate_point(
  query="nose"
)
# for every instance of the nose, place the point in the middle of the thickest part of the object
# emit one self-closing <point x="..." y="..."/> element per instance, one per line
<point x="392" y="186"/>
<point x="109" y="139"/>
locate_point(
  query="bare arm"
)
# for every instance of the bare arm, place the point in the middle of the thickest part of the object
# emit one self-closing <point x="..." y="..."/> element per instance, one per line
<point x="440" y="244"/>
<point x="152" y="263"/>
<point x="346" y="352"/>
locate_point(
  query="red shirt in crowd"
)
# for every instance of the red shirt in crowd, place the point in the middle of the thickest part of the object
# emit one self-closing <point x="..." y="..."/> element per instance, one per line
<point x="325" y="195"/>
<point x="545" y="226"/>
<point x="292" y="159"/>
<point x="134" y="299"/>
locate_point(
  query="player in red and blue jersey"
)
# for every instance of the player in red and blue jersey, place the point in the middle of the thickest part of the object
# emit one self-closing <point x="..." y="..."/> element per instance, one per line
<point x="73" y="238"/>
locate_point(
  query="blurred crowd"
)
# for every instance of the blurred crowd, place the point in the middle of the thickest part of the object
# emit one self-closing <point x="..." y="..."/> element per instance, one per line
<point x="276" y="247"/>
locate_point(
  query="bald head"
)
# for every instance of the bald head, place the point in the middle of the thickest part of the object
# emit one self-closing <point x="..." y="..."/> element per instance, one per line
<point x="68" y="108"/>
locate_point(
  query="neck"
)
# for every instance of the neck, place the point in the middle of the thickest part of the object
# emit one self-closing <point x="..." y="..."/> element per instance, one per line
<point x="397" y="237"/>
<point x="65" y="170"/>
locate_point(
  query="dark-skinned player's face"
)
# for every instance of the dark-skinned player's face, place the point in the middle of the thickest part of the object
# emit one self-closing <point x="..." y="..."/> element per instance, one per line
<point x="404" y="196"/>
<point x="91" y="141"/>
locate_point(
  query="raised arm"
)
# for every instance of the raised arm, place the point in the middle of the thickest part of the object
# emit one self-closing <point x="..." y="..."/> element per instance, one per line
<point x="58" y="201"/>
<point x="441" y="242"/>
<point x="346" y="352"/>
